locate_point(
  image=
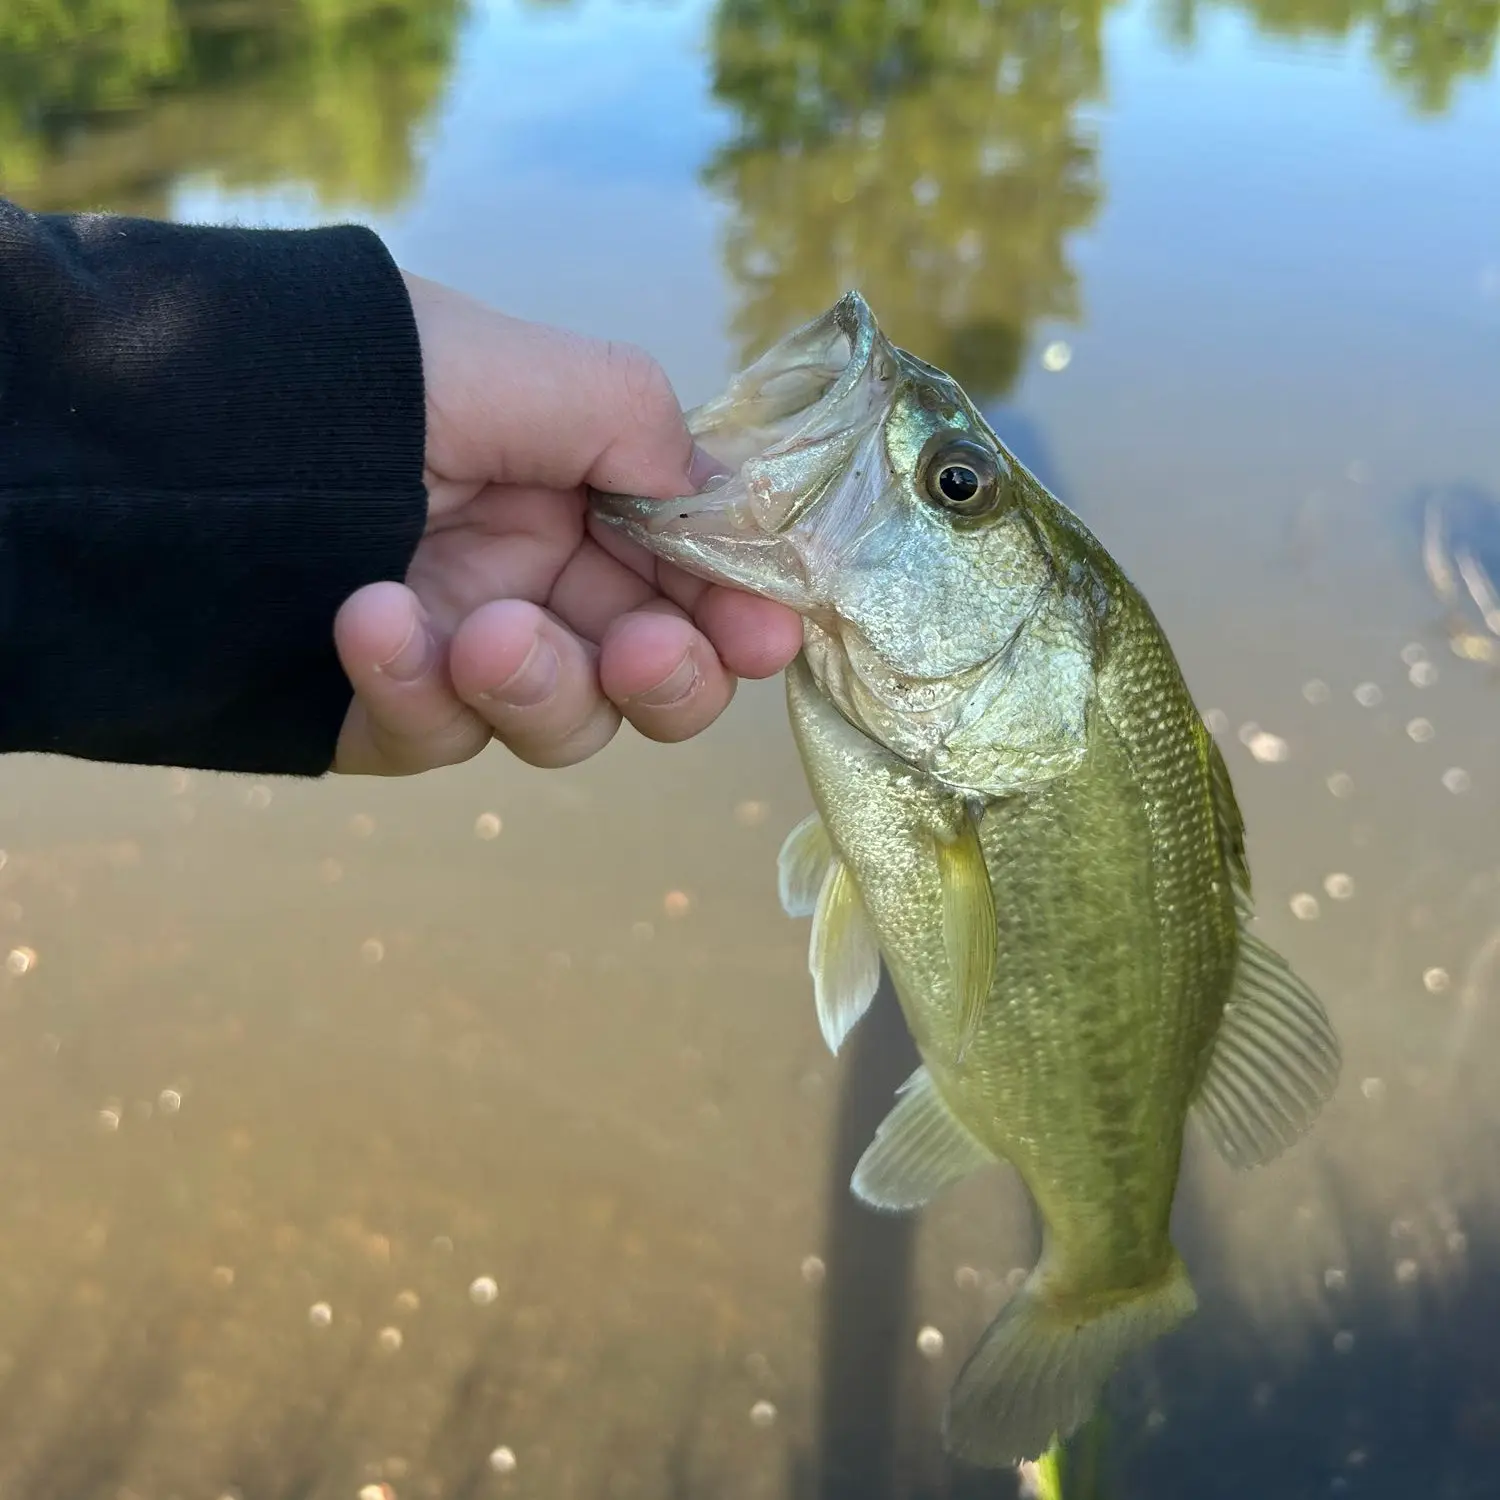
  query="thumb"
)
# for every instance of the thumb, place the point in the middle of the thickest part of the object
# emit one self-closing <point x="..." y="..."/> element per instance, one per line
<point x="513" y="402"/>
<point x="405" y="716"/>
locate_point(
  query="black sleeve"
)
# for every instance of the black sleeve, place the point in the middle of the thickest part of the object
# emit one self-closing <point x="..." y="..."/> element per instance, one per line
<point x="209" y="438"/>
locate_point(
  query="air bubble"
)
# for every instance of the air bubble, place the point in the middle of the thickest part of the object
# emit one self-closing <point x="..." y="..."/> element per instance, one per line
<point x="1268" y="748"/>
<point x="930" y="1342"/>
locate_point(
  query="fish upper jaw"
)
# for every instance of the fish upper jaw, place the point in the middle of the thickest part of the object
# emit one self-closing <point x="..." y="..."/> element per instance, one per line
<point x="785" y="429"/>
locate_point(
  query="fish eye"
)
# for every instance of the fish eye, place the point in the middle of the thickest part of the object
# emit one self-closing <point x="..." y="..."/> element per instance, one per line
<point x="962" y="476"/>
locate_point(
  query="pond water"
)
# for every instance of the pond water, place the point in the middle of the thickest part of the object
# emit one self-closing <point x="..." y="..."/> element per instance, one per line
<point x="473" y="1136"/>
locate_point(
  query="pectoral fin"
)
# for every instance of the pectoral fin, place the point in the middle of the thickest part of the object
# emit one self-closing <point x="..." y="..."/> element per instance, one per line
<point x="1275" y="1061"/>
<point x="918" y="1150"/>
<point x="969" y="932"/>
<point x="802" y="866"/>
<point x="843" y="956"/>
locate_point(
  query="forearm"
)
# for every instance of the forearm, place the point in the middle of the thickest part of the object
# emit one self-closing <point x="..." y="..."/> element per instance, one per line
<point x="209" y="438"/>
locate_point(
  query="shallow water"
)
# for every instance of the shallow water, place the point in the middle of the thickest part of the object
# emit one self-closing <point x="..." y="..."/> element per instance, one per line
<point x="473" y="1136"/>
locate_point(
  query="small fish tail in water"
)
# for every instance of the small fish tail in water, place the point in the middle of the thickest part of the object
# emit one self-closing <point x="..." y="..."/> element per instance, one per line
<point x="1037" y="1371"/>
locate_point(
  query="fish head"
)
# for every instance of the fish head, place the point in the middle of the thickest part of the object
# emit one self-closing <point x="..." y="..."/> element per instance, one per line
<point x="864" y="489"/>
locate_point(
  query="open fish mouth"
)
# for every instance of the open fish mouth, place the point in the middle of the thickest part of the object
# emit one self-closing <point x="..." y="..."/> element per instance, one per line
<point x="781" y="430"/>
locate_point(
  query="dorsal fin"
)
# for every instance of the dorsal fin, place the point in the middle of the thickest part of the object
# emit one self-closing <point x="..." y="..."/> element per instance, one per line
<point x="1276" y="1060"/>
<point x="1231" y="825"/>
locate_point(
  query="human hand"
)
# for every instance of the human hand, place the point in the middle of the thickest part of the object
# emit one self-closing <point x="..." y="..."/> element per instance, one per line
<point x="520" y="618"/>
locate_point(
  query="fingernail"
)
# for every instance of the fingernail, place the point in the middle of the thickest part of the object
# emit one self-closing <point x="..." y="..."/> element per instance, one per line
<point x="704" y="468"/>
<point x="532" y="681"/>
<point x="672" y="689"/>
<point x="413" y="656"/>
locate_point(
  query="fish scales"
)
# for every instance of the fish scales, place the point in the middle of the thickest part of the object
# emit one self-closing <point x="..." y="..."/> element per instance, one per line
<point x="1021" y="815"/>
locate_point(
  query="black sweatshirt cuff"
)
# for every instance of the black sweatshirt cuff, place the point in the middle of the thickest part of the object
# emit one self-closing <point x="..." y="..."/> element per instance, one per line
<point x="209" y="438"/>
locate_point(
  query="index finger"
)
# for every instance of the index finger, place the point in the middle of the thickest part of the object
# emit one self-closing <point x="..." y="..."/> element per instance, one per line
<point x="515" y="402"/>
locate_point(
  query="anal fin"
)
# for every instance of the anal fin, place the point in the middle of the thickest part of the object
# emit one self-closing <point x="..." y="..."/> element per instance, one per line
<point x="1275" y="1062"/>
<point x="919" y="1149"/>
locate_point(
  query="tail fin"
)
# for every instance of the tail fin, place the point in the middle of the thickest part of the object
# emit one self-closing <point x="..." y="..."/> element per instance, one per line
<point x="1038" y="1369"/>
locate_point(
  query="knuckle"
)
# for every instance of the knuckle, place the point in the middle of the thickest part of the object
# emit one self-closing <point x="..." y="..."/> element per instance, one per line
<point x="648" y="395"/>
<point x="450" y="742"/>
<point x="566" y="747"/>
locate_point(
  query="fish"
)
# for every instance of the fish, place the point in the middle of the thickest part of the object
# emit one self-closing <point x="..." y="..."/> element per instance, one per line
<point x="1019" y="813"/>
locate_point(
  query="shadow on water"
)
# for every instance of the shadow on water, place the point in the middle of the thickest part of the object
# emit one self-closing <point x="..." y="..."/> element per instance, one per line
<point x="1395" y="1390"/>
<point x="867" y="1312"/>
<point x="862" y="1441"/>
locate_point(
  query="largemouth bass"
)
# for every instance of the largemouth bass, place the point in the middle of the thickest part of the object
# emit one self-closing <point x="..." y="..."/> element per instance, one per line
<point x="1018" y="809"/>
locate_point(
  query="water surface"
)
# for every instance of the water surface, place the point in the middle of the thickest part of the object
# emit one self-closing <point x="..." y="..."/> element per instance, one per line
<point x="473" y="1136"/>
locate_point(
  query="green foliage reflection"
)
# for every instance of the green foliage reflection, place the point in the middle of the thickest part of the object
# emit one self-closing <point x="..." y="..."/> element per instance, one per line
<point x="1423" y="47"/>
<point x="930" y="152"/>
<point x="109" y="102"/>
